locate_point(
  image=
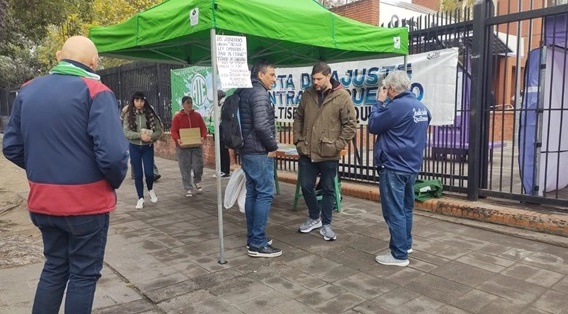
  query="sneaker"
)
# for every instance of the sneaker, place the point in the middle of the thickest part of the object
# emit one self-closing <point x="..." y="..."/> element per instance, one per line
<point x="267" y="251"/>
<point x="268" y="240"/>
<point x="410" y="251"/>
<point x="198" y="187"/>
<point x="310" y="225"/>
<point x="327" y="233"/>
<point x="388" y="259"/>
<point x="153" y="197"/>
<point x="188" y="194"/>
<point x="140" y="203"/>
<point x="226" y="175"/>
<point x="157" y="177"/>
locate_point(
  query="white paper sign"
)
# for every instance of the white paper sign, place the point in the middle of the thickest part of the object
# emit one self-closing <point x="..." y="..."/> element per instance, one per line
<point x="232" y="61"/>
<point x="194" y="17"/>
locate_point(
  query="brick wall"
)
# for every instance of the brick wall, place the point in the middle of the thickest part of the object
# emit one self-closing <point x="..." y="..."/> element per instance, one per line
<point x="366" y="11"/>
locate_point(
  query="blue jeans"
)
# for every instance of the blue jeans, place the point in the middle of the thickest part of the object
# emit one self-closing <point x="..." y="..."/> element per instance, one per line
<point x="74" y="248"/>
<point x="397" y="201"/>
<point x="309" y="171"/>
<point x="142" y="156"/>
<point x="259" y="171"/>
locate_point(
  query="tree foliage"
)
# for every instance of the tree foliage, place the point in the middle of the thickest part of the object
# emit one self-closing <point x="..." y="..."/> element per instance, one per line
<point x="31" y="31"/>
<point x="452" y="5"/>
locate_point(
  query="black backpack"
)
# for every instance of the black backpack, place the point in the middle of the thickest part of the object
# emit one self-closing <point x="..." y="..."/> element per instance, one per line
<point x="230" y="127"/>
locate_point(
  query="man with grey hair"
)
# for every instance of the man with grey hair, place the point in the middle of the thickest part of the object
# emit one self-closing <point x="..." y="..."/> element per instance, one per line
<point x="401" y="123"/>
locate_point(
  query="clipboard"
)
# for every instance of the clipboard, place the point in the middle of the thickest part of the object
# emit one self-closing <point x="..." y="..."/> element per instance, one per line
<point x="190" y="137"/>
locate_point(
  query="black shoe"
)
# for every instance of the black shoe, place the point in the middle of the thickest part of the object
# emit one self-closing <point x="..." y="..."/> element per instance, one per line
<point x="268" y="240"/>
<point x="267" y="251"/>
<point x="225" y="175"/>
<point x="157" y="177"/>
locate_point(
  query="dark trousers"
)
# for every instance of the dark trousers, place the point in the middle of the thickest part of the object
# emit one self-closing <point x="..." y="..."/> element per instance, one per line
<point x="225" y="160"/>
<point x="142" y="157"/>
<point x="309" y="171"/>
<point x="74" y="248"/>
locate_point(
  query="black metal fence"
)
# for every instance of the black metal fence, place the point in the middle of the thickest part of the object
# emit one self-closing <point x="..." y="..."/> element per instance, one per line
<point x="153" y="79"/>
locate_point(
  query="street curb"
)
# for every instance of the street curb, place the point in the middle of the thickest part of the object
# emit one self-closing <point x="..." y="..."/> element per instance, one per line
<point x="543" y="221"/>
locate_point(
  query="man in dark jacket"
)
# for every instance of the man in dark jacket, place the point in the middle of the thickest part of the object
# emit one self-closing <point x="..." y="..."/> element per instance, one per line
<point x="257" y="155"/>
<point x="324" y="123"/>
<point x="401" y="126"/>
<point x="66" y="133"/>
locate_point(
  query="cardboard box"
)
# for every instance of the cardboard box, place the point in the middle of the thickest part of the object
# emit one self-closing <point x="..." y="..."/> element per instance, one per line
<point x="190" y="137"/>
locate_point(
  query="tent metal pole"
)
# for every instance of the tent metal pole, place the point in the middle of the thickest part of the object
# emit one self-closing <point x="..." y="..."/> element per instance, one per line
<point x="405" y="63"/>
<point x="217" y="144"/>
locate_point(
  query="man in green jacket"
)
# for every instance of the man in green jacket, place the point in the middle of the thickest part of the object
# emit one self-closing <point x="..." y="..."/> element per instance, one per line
<point x="324" y="123"/>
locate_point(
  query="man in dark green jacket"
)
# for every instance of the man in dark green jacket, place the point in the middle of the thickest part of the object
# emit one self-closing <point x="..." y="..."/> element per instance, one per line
<point x="324" y="123"/>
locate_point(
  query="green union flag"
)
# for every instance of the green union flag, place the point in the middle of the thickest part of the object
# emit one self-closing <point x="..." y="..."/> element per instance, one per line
<point x="197" y="83"/>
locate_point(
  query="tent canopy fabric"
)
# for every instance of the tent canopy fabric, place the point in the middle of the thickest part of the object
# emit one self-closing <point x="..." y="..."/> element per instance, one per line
<point x="291" y="32"/>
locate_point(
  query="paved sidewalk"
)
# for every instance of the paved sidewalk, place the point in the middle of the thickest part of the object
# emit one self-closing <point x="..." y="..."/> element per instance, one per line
<point x="164" y="259"/>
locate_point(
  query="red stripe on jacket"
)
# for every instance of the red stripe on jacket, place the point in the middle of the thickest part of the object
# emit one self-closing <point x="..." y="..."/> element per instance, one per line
<point x="94" y="86"/>
<point x="71" y="200"/>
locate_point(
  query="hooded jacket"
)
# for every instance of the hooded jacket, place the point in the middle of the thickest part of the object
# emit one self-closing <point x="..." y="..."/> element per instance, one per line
<point x="322" y="131"/>
<point x="183" y="120"/>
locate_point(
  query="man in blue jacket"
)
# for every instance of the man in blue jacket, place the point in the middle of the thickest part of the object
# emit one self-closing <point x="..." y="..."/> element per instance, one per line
<point x="257" y="156"/>
<point x="66" y="133"/>
<point x="401" y="123"/>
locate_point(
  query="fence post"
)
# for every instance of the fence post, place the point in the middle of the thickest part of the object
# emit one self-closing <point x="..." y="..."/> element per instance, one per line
<point x="480" y="78"/>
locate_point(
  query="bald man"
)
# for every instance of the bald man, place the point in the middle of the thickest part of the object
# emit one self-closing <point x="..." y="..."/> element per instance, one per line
<point x="66" y="133"/>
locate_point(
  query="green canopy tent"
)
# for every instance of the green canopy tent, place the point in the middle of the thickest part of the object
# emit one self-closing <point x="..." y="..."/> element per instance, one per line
<point x="290" y="32"/>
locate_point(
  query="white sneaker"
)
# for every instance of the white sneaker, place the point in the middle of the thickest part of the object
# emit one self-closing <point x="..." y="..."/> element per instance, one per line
<point x="388" y="259"/>
<point x="153" y="197"/>
<point x="198" y="187"/>
<point x="188" y="194"/>
<point x="140" y="203"/>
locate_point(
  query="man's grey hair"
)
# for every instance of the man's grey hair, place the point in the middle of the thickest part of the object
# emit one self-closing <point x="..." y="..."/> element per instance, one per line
<point x="398" y="81"/>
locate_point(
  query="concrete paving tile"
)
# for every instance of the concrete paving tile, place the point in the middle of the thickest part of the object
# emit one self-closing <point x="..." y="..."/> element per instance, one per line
<point x="533" y="274"/>
<point x="474" y="301"/>
<point x="421" y="266"/>
<point x="118" y="290"/>
<point x="211" y="264"/>
<point x="463" y="273"/>
<point x="503" y="306"/>
<point x="365" y="286"/>
<point x="395" y="298"/>
<point x="371" y="307"/>
<point x="292" y="306"/>
<point x="512" y="289"/>
<point x="318" y="296"/>
<point x="448" y="309"/>
<point x="126" y="308"/>
<point x="284" y="286"/>
<point x="562" y="285"/>
<point x="314" y="265"/>
<point x="365" y="244"/>
<point x="331" y="275"/>
<point x="303" y="279"/>
<point x="239" y="290"/>
<point x="340" y="303"/>
<point x="160" y="282"/>
<point x="485" y="261"/>
<point x="532" y="310"/>
<point x="215" y="305"/>
<point x="405" y="276"/>
<point x="168" y="292"/>
<point x="493" y="249"/>
<point x="351" y="257"/>
<point x="428" y="257"/>
<point x="552" y="262"/>
<point x="469" y="243"/>
<point x="438" y="288"/>
<point x="421" y="304"/>
<point x="515" y="254"/>
<point x="190" y="270"/>
<point x="552" y="301"/>
<point x="215" y="278"/>
<point x="185" y="302"/>
<point x="265" y="303"/>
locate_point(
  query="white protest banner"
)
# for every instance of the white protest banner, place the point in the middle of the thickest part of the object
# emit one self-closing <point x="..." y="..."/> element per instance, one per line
<point x="432" y="75"/>
<point x="232" y="61"/>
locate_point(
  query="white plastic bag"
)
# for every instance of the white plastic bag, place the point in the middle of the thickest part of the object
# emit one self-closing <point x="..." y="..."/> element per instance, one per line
<point x="236" y="183"/>
<point x="242" y="197"/>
